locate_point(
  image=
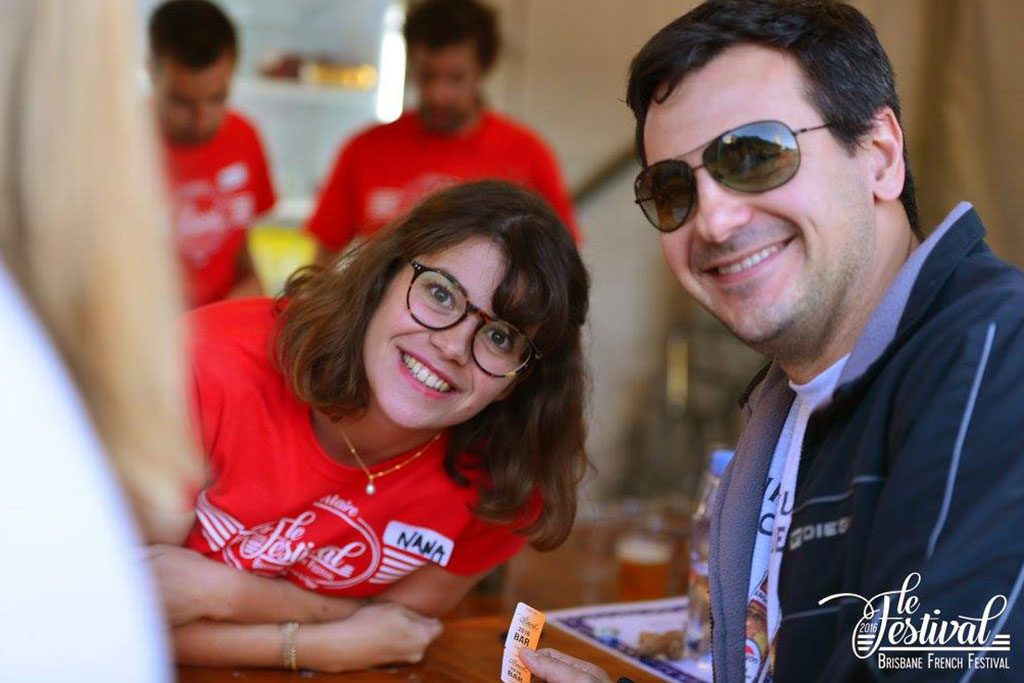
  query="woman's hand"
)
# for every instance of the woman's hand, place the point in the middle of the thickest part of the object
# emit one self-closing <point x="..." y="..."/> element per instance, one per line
<point x="378" y="633"/>
<point x="555" y="667"/>
<point x="191" y="586"/>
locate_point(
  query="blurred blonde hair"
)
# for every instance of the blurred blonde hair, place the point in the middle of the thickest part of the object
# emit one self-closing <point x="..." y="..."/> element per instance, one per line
<point x="85" y="233"/>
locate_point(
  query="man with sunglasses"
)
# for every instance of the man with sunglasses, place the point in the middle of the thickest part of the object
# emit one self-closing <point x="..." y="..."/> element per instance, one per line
<point x="883" y="442"/>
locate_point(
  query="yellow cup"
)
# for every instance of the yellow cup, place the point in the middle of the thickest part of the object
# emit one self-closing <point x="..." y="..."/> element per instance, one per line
<point x="277" y="252"/>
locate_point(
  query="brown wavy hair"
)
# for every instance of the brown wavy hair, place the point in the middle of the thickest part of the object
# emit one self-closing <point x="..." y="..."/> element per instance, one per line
<point x="531" y="442"/>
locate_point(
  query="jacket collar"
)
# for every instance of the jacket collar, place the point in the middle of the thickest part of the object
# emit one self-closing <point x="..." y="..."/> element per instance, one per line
<point x="914" y="287"/>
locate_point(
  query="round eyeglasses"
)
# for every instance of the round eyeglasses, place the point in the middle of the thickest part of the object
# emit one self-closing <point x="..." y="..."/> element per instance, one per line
<point x="437" y="301"/>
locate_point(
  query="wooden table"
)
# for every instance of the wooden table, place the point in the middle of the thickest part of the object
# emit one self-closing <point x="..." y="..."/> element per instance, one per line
<point x="580" y="572"/>
<point x="468" y="650"/>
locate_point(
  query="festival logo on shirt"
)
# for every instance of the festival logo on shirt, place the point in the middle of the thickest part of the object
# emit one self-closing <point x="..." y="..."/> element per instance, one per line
<point x="204" y="212"/>
<point x="890" y="631"/>
<point x="306" y="546"/>
<point x="296" y="546"/>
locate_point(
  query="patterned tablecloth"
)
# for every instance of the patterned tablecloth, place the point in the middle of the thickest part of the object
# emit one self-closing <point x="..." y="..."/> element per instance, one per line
<point x="626" y="620"/>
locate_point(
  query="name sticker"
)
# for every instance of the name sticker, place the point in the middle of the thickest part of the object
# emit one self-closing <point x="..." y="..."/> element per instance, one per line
<point x="420" y="541"/>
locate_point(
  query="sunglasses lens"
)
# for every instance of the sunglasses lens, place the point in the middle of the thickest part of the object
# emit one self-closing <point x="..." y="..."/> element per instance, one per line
<point x="754" y="158"/>
<point x="665" y="192"/>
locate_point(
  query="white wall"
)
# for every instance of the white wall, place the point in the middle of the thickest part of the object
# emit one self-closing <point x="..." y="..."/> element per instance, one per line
<point x="564" y="71"/>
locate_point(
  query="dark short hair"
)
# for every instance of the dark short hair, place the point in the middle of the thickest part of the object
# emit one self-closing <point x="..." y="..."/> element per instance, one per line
<point x="529" y="443"/>
<point x="193" y="33"/>
<point x="440" y="23"/>
<point x="848" y="74"/>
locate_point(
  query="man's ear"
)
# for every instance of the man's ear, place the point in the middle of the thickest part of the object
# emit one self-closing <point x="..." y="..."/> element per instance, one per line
<point x="884" y="145"/>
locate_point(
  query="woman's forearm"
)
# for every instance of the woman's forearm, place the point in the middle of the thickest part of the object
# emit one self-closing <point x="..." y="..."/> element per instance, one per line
<point x="322" y="648"/>
<point x="257" y="599"/>
<point x="212" y="643"/>
<point x="430" y="590"/>
<point x="194" y="587"/>
<point x="374" y="635"/>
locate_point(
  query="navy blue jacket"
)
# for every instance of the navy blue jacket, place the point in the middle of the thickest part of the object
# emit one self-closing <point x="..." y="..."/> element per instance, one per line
<point x="916" y="466"/>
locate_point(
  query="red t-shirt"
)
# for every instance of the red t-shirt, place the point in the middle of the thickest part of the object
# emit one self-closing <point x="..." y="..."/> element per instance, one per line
<point x="279" y="506"/>
<point x="383" y="172"/>
<point x="217" y="189"/>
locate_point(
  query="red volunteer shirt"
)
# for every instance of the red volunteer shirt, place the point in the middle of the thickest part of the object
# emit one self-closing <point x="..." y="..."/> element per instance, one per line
<point x="385" y="171"/>
<point x="279" y="506"/>
<point x="217" y="189"/>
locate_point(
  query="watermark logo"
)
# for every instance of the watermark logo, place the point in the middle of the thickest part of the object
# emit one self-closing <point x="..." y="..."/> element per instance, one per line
<point x="901" y="635"/>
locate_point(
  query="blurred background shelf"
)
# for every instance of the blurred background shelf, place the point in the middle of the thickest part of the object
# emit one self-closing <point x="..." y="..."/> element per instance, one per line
<point x="303" y="124"/>
<point x="286" y="92"/>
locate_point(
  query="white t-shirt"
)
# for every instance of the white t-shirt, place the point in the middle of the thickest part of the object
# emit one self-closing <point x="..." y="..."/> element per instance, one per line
<point x="763" y="612"/>
<point x="76" y="603"/>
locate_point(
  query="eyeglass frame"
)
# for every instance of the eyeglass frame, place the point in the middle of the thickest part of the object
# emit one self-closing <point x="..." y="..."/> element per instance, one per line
<point x="707" y="145"/>
<point x="471" y="309"/>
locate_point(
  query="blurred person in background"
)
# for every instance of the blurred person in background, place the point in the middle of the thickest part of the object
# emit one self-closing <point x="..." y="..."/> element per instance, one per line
<point x="92" y="419"/>
<point x="452" y="136"/>
<point x="216" y="167"/>
<point x="881" y="459"/>
<point x="382" y="437"/>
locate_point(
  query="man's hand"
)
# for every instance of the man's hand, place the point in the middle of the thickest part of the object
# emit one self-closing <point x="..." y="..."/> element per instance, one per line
<point x="191" y="586"/>
<point x="555" y="667"/>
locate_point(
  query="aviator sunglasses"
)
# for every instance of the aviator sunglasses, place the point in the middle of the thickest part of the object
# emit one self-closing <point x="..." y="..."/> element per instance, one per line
<point x="755" y="157"/>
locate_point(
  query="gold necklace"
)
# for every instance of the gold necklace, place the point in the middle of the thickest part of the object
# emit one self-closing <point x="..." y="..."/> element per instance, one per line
<point x="370" y="476"/>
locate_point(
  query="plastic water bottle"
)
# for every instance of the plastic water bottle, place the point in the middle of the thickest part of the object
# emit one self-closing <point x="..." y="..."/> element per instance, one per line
<point x="698" y="622"/>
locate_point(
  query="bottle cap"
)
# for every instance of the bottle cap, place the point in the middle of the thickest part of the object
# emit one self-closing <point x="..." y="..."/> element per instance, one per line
<point x="720" y="458"/>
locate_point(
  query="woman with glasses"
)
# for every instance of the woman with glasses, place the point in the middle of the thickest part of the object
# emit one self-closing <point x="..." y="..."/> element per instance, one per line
<point x="382" y="437"/>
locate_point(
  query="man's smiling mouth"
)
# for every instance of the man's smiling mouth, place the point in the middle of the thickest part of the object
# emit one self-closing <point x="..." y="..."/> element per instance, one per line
<point x="750" y="261"/>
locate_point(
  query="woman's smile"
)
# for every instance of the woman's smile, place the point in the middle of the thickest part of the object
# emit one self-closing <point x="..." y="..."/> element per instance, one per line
<point x="425" y="376"/>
